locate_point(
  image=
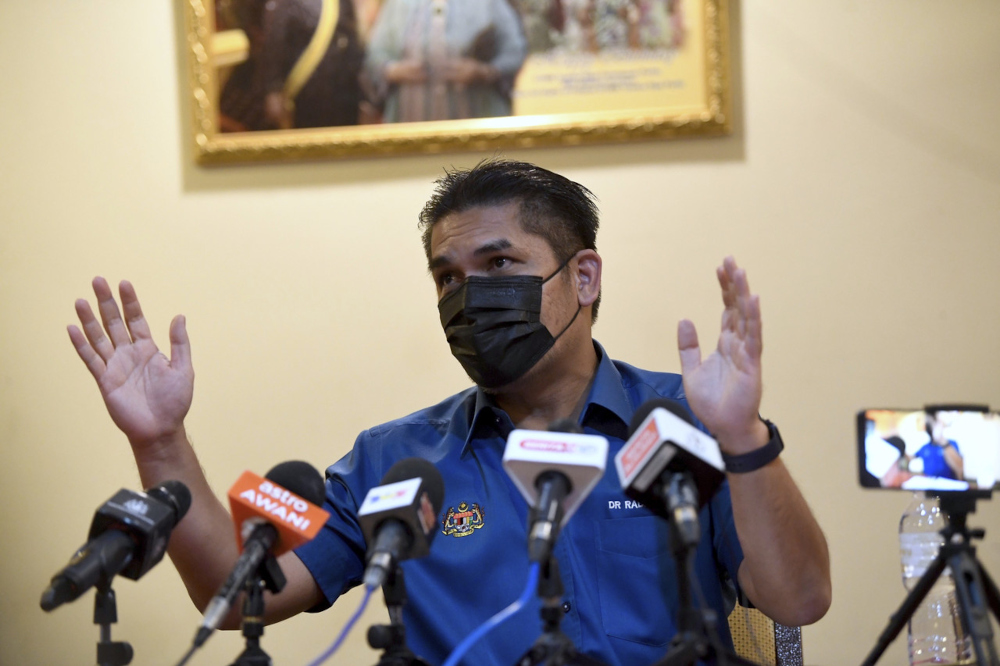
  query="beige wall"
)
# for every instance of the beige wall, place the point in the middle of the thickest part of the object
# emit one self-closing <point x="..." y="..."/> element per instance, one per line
<point x="861" y="190"/>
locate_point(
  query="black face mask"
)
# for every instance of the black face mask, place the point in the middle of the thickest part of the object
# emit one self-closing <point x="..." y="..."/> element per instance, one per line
<point x="493" y="326"/>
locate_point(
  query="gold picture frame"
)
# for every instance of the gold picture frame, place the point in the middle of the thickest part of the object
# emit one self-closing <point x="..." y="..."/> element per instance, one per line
<point x="693" y="83"/>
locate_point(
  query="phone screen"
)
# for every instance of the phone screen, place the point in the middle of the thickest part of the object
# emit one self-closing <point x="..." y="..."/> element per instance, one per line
<point x="940" y="449"/>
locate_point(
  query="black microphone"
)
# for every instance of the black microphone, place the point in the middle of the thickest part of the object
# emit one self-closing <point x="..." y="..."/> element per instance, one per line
<point x="267" y="528"/>
<point x="399" y="517"/>
<point x="128" y="536"/>
<point x="669" y="465"/>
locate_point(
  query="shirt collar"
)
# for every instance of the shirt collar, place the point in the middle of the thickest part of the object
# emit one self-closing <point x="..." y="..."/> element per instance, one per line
<point x="606" y="391"/>
<point x="487" y="418"/>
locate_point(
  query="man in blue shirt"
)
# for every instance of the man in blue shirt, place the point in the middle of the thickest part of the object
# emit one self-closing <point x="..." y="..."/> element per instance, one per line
<point x="613" y="554"/>
<point x="512" y="251"/>
<point x="941" y="456"/>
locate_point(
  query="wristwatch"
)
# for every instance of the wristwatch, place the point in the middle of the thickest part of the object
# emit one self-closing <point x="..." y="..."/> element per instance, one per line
<point x="754" y="460"/>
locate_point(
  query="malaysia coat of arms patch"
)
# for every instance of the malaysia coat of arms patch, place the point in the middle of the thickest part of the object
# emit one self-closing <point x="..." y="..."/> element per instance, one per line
<point x="464" y="520"/>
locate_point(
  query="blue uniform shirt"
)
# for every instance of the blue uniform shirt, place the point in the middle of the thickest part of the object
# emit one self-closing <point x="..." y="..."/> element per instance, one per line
<point x="614" y="555"/>
<point x="935" y="463"/>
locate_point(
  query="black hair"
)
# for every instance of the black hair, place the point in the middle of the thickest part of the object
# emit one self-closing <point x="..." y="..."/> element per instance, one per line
<point x="554" y="207"/>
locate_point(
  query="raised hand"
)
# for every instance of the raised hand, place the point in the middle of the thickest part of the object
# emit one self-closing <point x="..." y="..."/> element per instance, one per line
<point x="147" y="395"/>
<point x="724" y="389"/>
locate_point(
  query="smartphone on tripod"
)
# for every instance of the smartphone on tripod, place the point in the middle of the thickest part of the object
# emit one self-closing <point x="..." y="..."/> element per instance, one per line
<point x="946" y="448"/>
<point x="953" y="452"/>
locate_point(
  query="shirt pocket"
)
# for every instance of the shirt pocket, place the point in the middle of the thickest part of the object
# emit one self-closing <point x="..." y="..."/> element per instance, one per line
<point x="635" y="579"/>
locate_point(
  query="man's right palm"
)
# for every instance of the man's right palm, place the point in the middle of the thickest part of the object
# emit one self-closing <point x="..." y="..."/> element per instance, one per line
<point x="147" y="395"/>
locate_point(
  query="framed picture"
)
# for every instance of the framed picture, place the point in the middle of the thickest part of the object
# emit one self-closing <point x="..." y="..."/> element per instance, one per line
<point x="300" y="79"/>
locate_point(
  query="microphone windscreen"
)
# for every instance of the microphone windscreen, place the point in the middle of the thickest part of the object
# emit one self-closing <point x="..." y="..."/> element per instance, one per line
<point x="300" y="478"/>
<point x="412" y="468"/>
<point x="646" y="408"/>
<point x="174" y="494"/>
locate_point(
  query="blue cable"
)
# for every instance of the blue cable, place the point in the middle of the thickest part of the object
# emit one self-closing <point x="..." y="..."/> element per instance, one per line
<point x="343" y="632"/>
<point x="481" y="631"/>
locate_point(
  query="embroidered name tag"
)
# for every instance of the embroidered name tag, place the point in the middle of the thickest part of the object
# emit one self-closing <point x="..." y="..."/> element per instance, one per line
<point x="627" y="504"/>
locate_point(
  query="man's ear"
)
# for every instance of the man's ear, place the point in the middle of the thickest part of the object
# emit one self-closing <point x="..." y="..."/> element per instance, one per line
<point x="588" y="276"/>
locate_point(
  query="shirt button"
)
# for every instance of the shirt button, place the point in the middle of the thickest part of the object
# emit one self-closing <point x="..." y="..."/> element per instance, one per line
<point x="566" y="607"/>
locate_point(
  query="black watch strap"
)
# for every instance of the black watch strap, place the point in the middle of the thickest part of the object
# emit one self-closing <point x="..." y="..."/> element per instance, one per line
<point x="748" y="462"/>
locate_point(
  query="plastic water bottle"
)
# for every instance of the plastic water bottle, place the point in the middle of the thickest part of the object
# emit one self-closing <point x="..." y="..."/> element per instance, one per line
<point x="935" y="632"/>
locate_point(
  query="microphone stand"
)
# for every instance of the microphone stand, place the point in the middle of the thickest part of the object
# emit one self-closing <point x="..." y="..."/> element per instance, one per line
<point x="553" y="647"/>
<point x="696" y="637"/>
<point x="977" y="593"/>
<point x="392" y="637"/>
<point x="109" y="653"/>
<point x="268" y="576"/>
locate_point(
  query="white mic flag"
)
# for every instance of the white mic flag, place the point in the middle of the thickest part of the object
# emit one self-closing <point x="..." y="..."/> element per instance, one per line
<point x="581" y="458"/>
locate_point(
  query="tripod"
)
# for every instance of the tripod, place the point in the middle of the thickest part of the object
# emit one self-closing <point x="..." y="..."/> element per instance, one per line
<point x="977" y="593"/>
<point x="553" y="647"/>
<point x="697" y="637"/>
<point x="109" y="653"/>
<point x="268" y="576"/>
<point x="392" y="637"/>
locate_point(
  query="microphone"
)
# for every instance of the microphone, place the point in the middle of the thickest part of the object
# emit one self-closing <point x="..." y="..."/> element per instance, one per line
<point x="272" y="516"/>
<point x="664" y="455"/>
<point x="399" y="517"/>
<point x="128" y="536"/>
<point x="554" y="471"/>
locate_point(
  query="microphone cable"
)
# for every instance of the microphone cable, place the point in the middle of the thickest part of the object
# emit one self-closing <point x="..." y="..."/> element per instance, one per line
<point x="711" y="627"/>
<point x="187" y="655"/>
<point x="346" y="630"/>
<point x="485" y="627"/>
<point x="329" y="651"/>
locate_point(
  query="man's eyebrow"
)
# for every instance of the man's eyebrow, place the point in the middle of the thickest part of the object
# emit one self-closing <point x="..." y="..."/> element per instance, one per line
<point x="489" y="248"/>
<point x="493" y="246"/>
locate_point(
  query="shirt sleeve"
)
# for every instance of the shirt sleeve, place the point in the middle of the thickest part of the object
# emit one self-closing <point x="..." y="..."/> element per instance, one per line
<point x="335" y="558"/>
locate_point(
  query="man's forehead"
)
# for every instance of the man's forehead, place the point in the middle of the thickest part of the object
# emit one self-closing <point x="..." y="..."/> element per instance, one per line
<point x="469" y="229"/>
<point x="503" y="219"/>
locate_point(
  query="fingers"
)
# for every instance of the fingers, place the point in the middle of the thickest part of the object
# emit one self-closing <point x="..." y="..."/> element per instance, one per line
<point x="735" y="286"/>
<point x="733" y="281"/>
<point x="96" y="349"/>
<point x="134" y="319"/>
<point x="93" y="331"/>
<point x="753" y="335"/>
<point x="726" y="282"/>
<point x="86" y="352"/>
<point x="742" y="313"/>
<point x="108" y="308"/>
<point x="748" y="306"/>
<point x="98" y="340"/>
<point x="687" y="345"/>
<point x="180" y="346"/>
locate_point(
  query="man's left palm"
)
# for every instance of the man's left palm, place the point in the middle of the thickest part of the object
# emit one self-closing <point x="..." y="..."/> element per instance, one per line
<point x="724" y="389"/>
